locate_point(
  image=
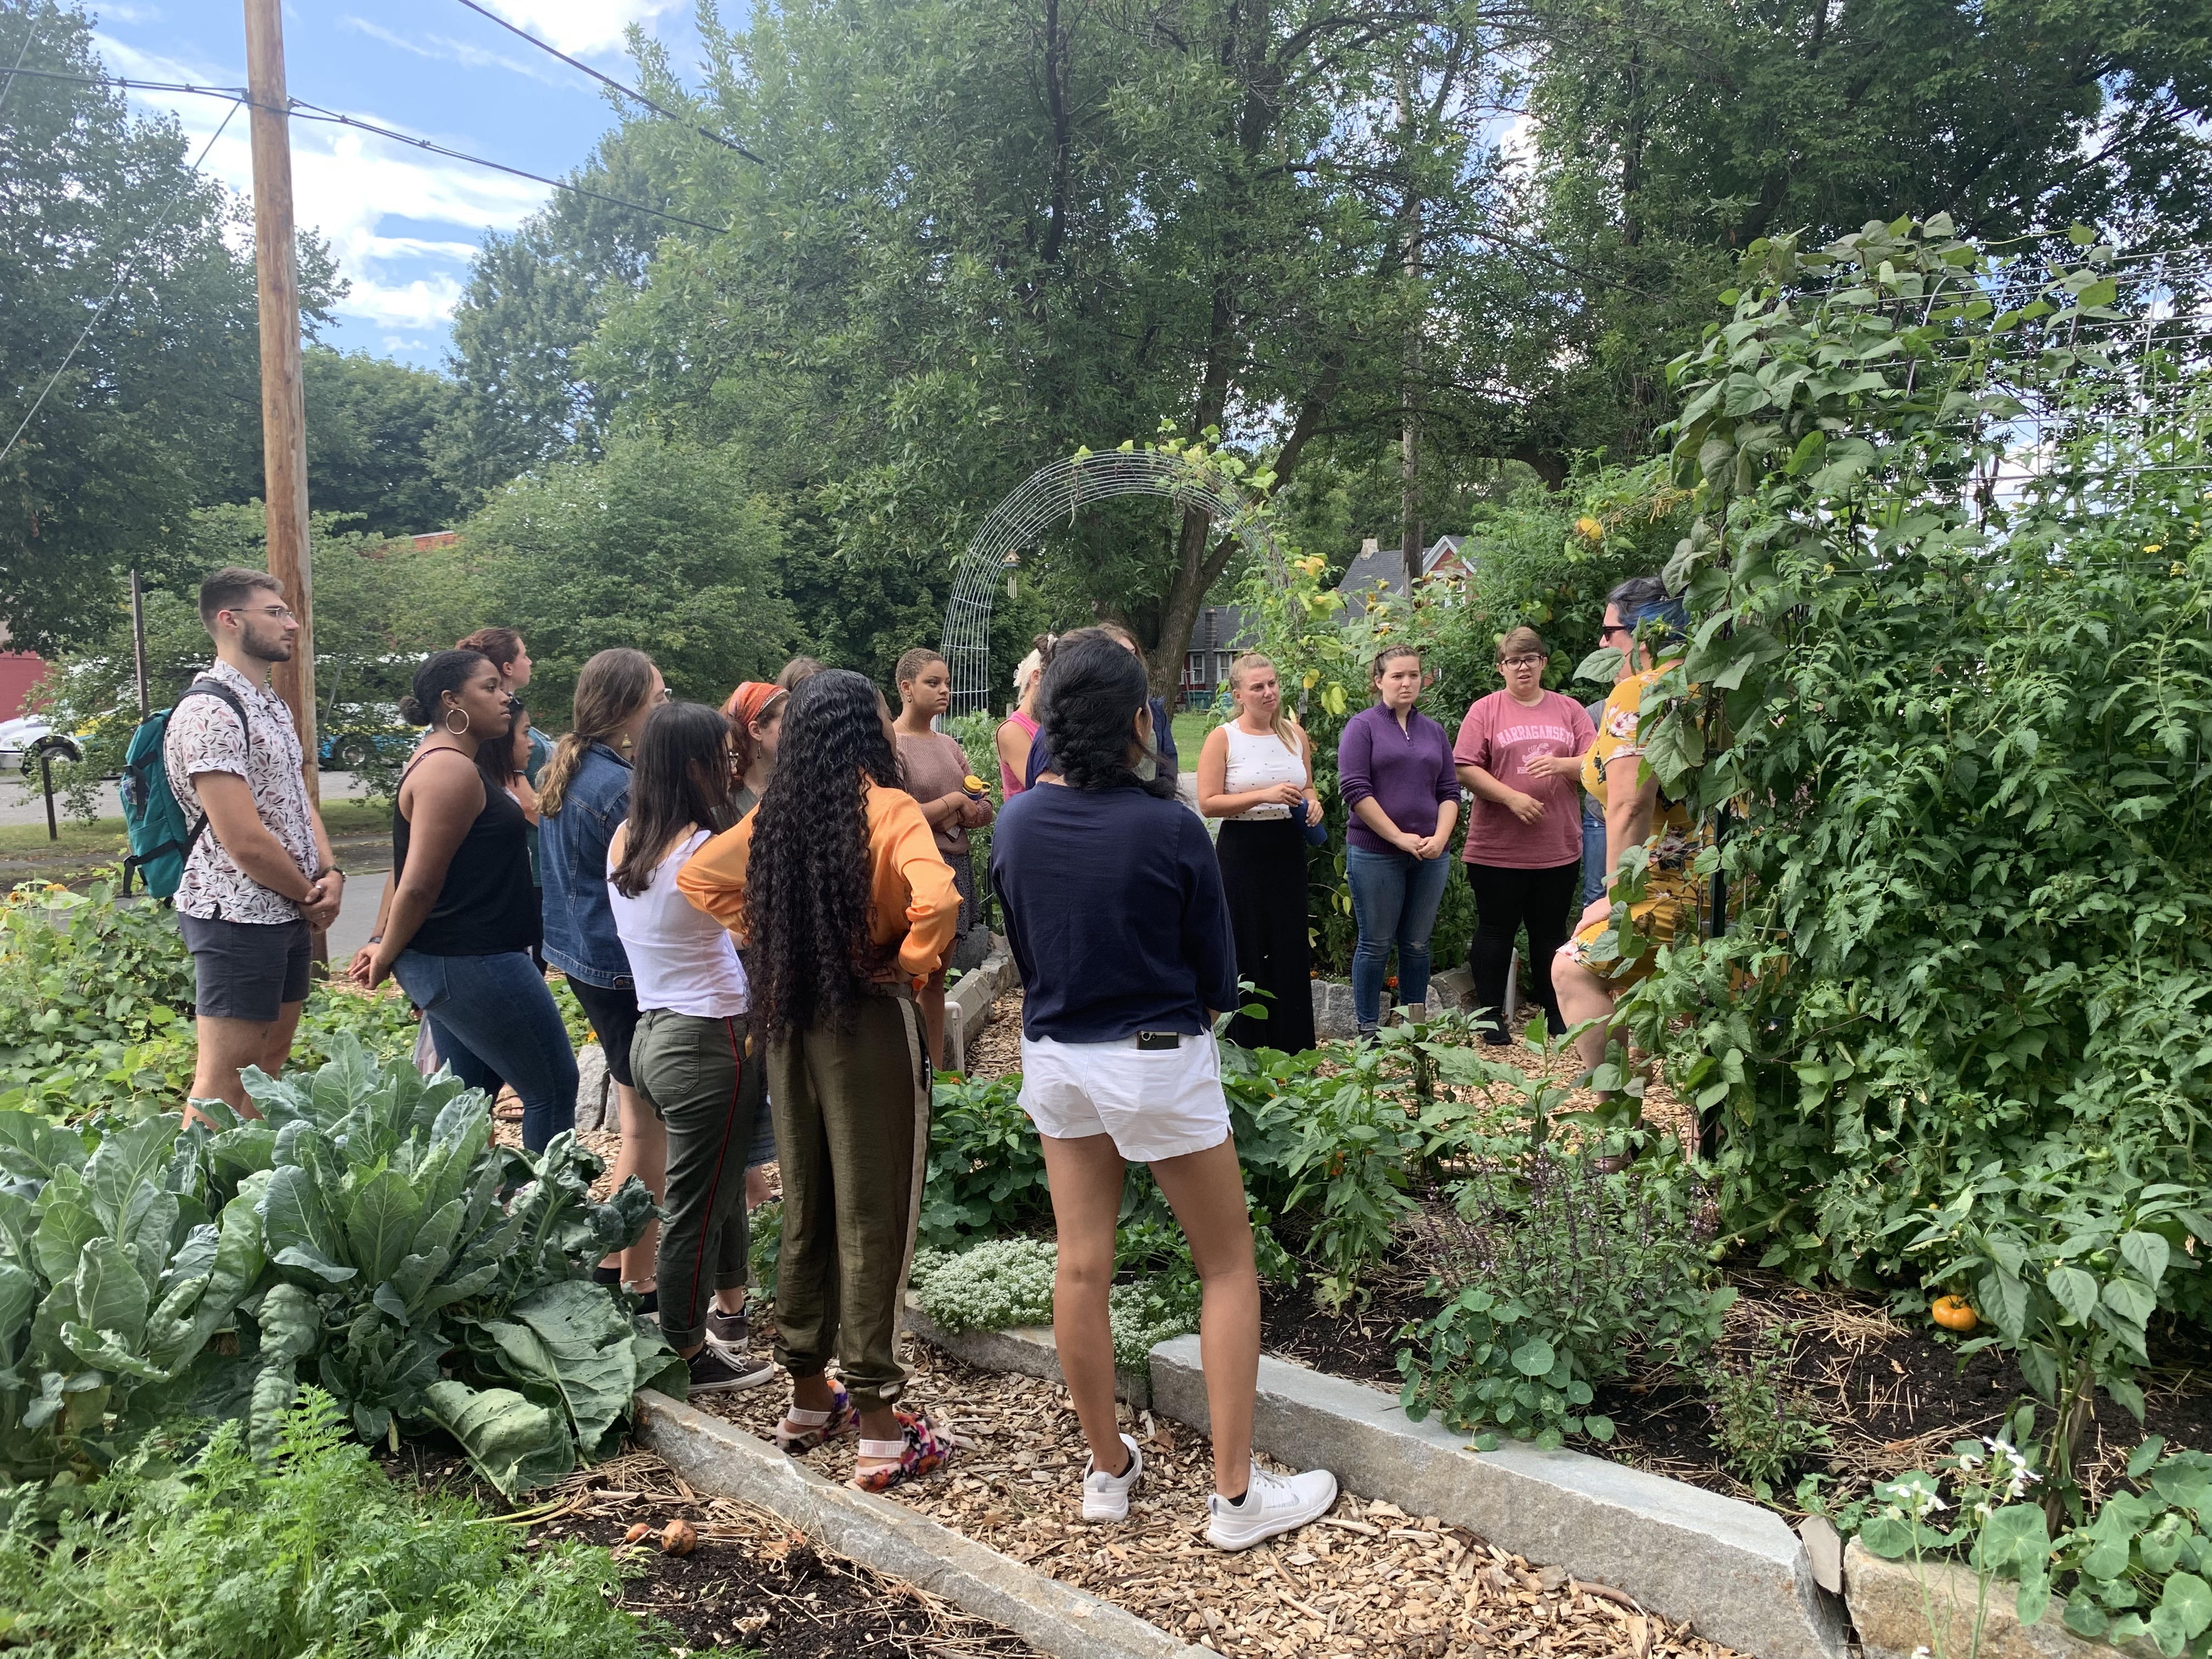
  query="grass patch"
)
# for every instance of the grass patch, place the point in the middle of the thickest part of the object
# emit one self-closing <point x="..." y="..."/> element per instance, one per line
<point x="105" y="837"/>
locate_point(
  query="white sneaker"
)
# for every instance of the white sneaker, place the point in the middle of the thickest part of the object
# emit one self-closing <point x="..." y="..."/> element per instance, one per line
<point x="1106" y="1496"/>
<point x="1274" y="1503"/>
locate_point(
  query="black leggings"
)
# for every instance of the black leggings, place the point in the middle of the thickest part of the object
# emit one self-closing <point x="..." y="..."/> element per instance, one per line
<point x="1506" y="901"/>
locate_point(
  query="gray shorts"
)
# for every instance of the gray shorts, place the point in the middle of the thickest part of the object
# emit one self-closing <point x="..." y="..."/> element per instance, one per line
<point x="247" y="969"/>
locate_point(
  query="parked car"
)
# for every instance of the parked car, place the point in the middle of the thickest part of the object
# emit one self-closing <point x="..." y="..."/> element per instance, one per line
<point x="24" y="739"/>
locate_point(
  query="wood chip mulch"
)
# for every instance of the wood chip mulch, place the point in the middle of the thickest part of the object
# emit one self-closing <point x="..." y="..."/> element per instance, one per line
<point x="1333" y="1589"/>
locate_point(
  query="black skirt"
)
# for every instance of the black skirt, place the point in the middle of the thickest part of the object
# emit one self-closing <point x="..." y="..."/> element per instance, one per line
<point x="1263" y="871"/>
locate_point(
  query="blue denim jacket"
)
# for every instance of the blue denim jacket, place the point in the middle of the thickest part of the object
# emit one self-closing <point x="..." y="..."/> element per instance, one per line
<point x="571" y="847"/>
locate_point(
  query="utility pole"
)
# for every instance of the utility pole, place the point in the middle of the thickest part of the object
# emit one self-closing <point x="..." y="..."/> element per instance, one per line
<point x="138" y="641"/>
<point x="1411" y="542"/>
<point x="283" y="403"/>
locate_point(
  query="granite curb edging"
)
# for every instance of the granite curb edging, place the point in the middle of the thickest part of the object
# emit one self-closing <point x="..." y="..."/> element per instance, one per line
<point x="1734" y="1570"/>
<point x="718" y="1457"/>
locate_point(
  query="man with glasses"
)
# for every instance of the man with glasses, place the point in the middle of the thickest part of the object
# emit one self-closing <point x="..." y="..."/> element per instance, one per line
<point x="259" y="875"/>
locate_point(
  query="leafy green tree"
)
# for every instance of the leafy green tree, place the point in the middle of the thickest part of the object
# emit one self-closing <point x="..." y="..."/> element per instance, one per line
<point x="371" y="426"/>
<point x="160" y="403"/>
<point x="655" y="546"/>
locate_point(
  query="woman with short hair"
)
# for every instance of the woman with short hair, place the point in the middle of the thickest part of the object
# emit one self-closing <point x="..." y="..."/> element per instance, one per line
<point x="460" y="918"/>
<point x="834" y="883"/>
<point x="1116" y="919"/>
<point x="1650" y="627"/>
<point x="1256" y="772"/>
<point x="1518" y="751"/>
<point x="1394" y="765"/>
<point x="935" y="768"/>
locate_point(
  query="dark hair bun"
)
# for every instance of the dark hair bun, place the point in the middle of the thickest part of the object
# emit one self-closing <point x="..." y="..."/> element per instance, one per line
<point x="413" y="711"/>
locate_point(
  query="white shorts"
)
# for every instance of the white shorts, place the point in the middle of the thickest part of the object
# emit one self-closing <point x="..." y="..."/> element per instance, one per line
<point x="1156" y="1103"/>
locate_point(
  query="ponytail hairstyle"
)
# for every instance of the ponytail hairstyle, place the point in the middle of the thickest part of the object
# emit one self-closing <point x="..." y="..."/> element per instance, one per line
<point x="807" y="901"/>
<point x="680" y="778"/>
<point x="1091" y="694"/>
<point x="1385" y="657"/>
<point x="614" y="685"/>
<point x="1285" y="725"/>
<point x="425" y="705"/>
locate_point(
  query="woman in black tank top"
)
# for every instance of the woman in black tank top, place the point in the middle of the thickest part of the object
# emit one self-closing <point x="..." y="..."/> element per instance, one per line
<point x="460" y="916"/>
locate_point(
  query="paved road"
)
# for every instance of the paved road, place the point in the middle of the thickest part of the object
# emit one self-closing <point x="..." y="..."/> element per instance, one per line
<point x="21" y="801"/>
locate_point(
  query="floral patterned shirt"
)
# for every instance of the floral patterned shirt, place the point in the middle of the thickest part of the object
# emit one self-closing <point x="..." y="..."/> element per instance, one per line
<point x="204" y="736"/>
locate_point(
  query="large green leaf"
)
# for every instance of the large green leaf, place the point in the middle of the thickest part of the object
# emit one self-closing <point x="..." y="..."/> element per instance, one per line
<point x="32" y="1147"/>
<point x="298" y="1228"/>
<point x="513" y="1442"/>
<point x="2076" y="1290"/>
<point x="121" y="1175"/>
<point x="381" y="1224"/>
<point x="66" y="1224"/>
<point x="19" y="1294"/>
<point x="111" y="1296"/>
<point x="573" y="1338"/>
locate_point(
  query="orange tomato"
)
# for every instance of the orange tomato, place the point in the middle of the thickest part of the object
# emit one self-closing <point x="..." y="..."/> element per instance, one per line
<point x="1952" y="1312"/>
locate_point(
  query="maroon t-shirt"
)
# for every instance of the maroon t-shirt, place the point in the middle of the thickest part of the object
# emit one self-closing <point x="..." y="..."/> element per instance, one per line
<point x="1502" y="737"/>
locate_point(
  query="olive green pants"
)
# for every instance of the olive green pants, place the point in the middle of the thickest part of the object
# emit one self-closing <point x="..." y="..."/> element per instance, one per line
<point x="695" y="1073"/>
<point x="852" y="1135"/>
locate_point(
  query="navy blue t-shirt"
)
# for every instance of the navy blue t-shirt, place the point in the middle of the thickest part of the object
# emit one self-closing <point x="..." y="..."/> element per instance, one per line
<point x="1114" y="911"/>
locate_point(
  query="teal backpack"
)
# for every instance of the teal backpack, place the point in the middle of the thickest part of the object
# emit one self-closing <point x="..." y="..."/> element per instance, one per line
<point x="161" y="837"/>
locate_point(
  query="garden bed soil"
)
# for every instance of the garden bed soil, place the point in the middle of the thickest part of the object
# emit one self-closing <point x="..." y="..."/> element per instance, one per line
<point x="1892" y="1397"/>
<point x="1367" y="1580"/>
<point x="753" y="1586"/>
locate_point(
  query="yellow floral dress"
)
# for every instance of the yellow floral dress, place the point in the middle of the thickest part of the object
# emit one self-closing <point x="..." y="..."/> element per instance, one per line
<point x="1671" y="889"/>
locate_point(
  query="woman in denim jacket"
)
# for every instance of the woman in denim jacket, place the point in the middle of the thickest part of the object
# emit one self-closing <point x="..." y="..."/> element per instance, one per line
<point x="583" y="796"/>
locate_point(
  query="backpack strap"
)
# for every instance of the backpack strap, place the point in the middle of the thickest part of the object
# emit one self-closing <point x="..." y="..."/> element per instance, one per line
<point x="207" y="686"/>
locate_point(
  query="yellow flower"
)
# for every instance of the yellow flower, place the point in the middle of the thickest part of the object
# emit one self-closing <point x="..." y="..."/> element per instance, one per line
<point x="1313" y="564"/>
<point x="1308" y="681"/>
<point x="1590" y="529"/>
<point x="2153" y="547"/>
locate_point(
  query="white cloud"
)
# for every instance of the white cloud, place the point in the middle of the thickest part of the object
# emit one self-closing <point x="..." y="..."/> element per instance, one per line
<point x="438" y="48"/>
<point x="344" y="184"/>
<point x="582" y="29"/>
<point x="121" y="13"/>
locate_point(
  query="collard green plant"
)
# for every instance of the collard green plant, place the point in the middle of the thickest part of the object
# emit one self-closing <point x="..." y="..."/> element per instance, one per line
<point x="364" y="1234"/>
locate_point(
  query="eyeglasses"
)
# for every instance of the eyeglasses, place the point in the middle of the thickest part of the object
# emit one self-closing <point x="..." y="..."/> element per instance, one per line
<point x="275" y="612"/>
<point x="664" y="696"/>
<point x="1520" y="662"/>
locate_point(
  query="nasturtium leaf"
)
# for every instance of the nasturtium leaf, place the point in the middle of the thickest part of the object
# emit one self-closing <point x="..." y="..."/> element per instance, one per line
<point x="1534" y="1357"/>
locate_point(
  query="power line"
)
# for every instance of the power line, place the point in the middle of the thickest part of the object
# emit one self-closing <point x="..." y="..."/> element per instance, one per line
<point x="608" y="80"/>
<point x="158" y="224"/>
<point x="231" y="93"/>
<point x="240" y="94"/>
<point x="30" y="28"/>
<point x="317" y="112"/>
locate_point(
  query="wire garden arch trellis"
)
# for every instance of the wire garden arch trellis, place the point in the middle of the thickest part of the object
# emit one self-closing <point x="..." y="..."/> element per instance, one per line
<point x="1052" y="496"/>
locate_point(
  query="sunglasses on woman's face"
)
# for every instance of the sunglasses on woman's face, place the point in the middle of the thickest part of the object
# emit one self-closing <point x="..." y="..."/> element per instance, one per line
<point x="1606" y="630"/>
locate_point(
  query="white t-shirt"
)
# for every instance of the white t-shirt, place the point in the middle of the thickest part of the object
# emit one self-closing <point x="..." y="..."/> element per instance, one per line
<point x="681" y="958"/>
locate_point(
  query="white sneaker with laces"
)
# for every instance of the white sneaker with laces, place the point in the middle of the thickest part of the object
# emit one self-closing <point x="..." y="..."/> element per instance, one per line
<point x="1272" y="1504"/>
<point x="1106" y="1496"/>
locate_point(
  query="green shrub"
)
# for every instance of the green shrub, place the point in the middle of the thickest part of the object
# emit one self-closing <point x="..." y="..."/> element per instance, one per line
<point x="1761" y="1426"/>
<point x="359" y="1234"/>
<point x="312" y="1551"/>
<point x="986" y="1175"/>
<point x="96" y="1006"/>
<point x="1555" y="1276"/>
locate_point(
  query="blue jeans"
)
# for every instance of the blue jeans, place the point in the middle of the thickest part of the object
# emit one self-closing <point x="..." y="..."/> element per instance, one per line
<point x="1593" y="849"/>
<point x="1395" y="897"/>
<point x="494" y="1021"/>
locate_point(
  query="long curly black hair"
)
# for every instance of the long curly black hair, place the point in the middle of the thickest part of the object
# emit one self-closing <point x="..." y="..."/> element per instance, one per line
<point x="1089" y="705"/>
<point x="807" y="886"/>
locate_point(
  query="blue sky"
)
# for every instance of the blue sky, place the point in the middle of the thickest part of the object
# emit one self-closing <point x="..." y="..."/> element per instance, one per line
<point x="403" y="223"/>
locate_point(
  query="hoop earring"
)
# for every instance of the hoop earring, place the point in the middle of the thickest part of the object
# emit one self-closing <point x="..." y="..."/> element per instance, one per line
<point x="460" y="730"/>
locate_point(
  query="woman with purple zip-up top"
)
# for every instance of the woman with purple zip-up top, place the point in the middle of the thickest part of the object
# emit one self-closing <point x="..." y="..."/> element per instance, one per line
<point x="1394" y="765"/>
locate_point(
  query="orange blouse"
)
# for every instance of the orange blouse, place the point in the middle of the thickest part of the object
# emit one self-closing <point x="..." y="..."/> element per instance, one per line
<point x="914" y="907"/>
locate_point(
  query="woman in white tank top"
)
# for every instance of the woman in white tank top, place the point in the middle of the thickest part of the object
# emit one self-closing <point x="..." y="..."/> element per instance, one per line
<point x="1257" y="773"/>
<point x="689" y="1059"/>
